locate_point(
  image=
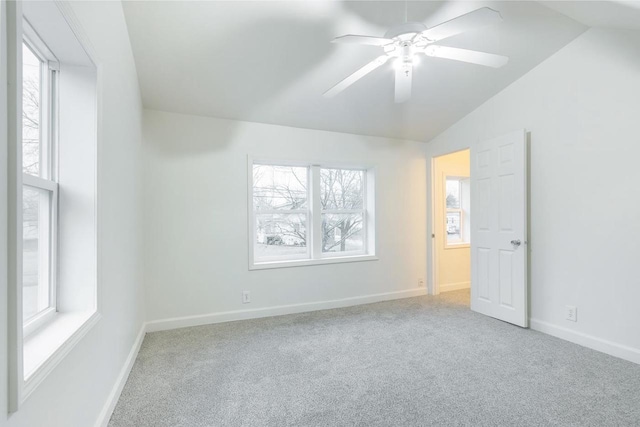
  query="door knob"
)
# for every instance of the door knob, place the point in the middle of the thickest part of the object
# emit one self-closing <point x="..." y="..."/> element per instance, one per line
<point x="516" y="243"/>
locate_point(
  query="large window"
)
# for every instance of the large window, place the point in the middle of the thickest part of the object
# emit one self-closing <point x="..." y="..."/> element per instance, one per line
<point x="39" y="189"/>
<point x="310" y="213"/>
<point x="53" y="200"/>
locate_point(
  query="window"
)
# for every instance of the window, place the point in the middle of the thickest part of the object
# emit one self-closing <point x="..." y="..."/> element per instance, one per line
<point x="54" y="302"/>
<point x="280" y="199"/>
<point x="343" y="213"/>
<point x="457" y="212"/>
<point x="306" y="214"/>
<point x="39" y="189"/>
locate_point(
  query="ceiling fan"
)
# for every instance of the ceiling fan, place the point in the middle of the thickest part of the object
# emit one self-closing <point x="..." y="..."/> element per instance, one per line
<point x="404" y="42"/>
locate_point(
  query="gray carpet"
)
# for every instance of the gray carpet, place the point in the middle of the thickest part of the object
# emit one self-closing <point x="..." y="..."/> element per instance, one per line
<point x="414" y="362"/>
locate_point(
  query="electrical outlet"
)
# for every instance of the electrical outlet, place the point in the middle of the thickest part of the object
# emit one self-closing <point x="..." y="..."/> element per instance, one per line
<point x="572" y="313"/>
<point x="246" y="297"/>
<point x="421" y="282"/>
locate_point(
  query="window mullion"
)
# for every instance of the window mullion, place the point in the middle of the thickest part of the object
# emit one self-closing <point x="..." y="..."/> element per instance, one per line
<point x="43" y="122"/>
<point x="44" y="252"/>
<point x="53" y="245"/>
<point x="316" y="213"/>
<point x="281" y="211"/>
<point x="52" y="145"/>
<point x="37" y="182"/>
<point x="343" y="211"/>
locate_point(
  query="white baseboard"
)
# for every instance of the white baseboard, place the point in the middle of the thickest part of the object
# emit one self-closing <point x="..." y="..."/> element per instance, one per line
<point x="614" y="349"/>
<point x="107" y="410"/>
<point x="227" y="316"/>
<point x="446" y="287"/>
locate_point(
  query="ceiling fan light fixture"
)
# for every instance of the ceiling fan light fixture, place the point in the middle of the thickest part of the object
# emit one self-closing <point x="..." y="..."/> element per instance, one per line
<point x="398" y="63"/>
<point x="405" y="42"/>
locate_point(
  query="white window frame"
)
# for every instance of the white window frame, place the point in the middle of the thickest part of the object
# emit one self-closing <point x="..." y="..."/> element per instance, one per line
<point x="460" y="243"/>
<point x="307" y="212"/>
<point x="314" y="213"/>
<point x="47" y="180"/>
<point x="362" y="212"/>
<point x="32" y="358"/>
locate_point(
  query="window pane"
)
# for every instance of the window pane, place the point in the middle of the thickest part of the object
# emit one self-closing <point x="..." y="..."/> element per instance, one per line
<point x="35" y="251"/>
<point x="341" y="189"/>
<point x="342" y="233"/>
<point x="31" y="101"/>
<point x="453" y="194"/>
<point x="281" y="235"/>
<point x="453" y="227"/>
<point x="279" y="187"/>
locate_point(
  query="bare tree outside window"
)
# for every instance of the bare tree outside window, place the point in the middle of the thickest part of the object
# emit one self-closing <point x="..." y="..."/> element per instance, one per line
<point x="31" y="94"/>
<point x="280" y="202"/>
<point x="342" y="200"/>
<point x="36" y="202"/>
<point x="280" y="199"/>
<point x="30" y="166"/>
<point x="453" y="210"/>
<point x="283" y="211"/>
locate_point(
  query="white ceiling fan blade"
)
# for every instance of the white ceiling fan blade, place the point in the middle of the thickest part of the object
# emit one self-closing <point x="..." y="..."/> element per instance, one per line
<point x="465" y="55"/>
<point x="404" y="74"/>
<point x="469" y="21"/>
<point x="356" y="76"/>
<point x="352" y="38"/>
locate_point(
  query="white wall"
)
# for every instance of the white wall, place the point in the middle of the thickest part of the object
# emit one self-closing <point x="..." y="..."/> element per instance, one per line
<point x="76" y="391"/>
<point x="77" y="267"/>
<point x="453" y="263"/>
<point x="195" y="198"/>
<point x="582" y="107"/>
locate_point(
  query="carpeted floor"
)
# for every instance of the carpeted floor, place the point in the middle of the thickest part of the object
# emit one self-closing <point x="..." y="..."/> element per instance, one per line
<point x="413" y="362"/>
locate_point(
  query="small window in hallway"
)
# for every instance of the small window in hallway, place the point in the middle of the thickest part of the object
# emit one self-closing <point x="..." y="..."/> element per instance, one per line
<point x="457" y="210"/>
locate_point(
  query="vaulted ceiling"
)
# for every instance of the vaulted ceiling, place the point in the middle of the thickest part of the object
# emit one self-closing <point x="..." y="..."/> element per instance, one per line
<point x="270" y="61"/>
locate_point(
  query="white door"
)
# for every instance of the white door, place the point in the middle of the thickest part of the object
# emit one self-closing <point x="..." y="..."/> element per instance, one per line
<point x="499" y="228"/>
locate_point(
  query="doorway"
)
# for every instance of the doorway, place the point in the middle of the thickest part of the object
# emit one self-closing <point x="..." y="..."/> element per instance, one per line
<point x="497" y="262"/>
<point x="451" y="235"/>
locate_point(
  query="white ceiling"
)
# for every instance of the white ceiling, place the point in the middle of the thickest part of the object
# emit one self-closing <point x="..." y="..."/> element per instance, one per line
<point x="270" y="61"/>
<point x="621" y="14"/>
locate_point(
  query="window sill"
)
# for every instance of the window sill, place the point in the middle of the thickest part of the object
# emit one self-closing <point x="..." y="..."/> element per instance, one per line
<point x="457" y="246"/>
<point x="308" y="262"/>
<point x="46" y="347"/>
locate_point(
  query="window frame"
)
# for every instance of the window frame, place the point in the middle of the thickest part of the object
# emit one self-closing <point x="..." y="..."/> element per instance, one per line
<point x="48" y="259"/>
<point x="460" y="243"/>
<point x="307" y="212"/>
<point x="46" y="180"/>
<point x="32" y="358"/>
<point x="362" y="211"/>
<point x="315" y="256"/>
